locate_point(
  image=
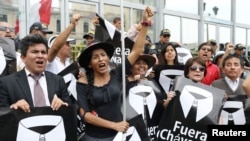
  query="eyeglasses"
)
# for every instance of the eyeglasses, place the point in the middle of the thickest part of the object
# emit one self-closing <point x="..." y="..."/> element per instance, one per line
<point x="208" y="49"/>
<point x="3" y="28"/>
<point x="166" y="35"/>
<point x="194" y="68"/>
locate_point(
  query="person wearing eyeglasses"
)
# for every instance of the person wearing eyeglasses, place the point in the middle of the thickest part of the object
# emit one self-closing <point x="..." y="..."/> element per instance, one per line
<point x="205" y="53"/>
<point x="195" y="69"/>
<point x="8" y="45"/>
<point x="6" y="30"/>
<point x="155" y="49"/>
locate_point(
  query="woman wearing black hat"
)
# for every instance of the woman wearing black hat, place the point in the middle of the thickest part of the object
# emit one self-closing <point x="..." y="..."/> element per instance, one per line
<point x="99" y="95"/>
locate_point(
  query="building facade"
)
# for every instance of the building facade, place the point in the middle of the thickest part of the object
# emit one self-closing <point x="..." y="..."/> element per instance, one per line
<point x="190" y="22"/>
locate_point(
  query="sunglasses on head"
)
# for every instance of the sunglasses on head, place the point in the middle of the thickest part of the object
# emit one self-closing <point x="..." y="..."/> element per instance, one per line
<point x="194" y="68"/>
<point x="208" y="49"/>
<point x="3" y="28"/>
<point x="166" y="35"/>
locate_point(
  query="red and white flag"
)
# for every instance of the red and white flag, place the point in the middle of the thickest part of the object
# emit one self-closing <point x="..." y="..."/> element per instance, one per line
<point x="40" y="11"/>
<point x="30" y="12"/>
<point x="17" y="25"/>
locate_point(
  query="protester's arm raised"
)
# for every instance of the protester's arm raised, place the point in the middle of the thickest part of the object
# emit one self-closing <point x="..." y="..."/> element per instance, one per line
<point x="229" y="49"/>
<point x="138" y="47"/>
<point x="62" y="38"/>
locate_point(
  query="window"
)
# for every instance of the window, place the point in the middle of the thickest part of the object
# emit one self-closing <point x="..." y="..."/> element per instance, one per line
<point x="146" y="2"/>
<point x="3" y="18"/>
<point x="248" y="43"/>
<point x="189" y="6"/>
<point x="58" y="26"/>
<point x="190" y="33"/>
<point x="173" y="24"/>
<point x="109" y="15"/>
<point x="242" y="11"/>
<point x="218" y="8"/>
<point x="85" y="27"/>
<point x="209" y="32"/>
<point x="225" y="34"/>
<point x="240" y="35"/>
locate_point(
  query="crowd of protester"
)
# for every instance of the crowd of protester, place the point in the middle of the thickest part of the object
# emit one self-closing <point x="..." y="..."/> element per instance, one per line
<point x="98" y="87"/>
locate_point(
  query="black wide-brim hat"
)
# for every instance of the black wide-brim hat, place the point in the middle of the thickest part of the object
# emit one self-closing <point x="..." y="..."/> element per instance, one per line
<point x="150" y="60"/>
<point x="85" y="56"/>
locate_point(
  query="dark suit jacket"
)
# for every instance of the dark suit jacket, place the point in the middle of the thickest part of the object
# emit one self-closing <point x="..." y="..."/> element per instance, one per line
<point x="15" y="87"/>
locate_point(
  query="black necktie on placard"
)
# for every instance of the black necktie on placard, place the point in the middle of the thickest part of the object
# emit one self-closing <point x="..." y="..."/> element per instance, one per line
<point x="193" y="111"/>
<point x="171" y="86"/>
<point x="146" y="113"/>
<point x="230" y="119"/>
<point x="128" y="137"/>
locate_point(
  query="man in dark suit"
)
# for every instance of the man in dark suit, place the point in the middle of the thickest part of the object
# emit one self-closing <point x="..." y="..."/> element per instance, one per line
<point x="17" y="90"/>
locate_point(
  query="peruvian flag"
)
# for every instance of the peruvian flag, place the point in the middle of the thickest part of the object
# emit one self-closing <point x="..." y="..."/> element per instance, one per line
<point x="17" y="25"/>
<point x="40" y="10"/>
<point x="36" y="10"/>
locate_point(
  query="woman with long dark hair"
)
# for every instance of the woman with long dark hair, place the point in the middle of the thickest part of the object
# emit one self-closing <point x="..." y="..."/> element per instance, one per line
<point x="99" y="95"/>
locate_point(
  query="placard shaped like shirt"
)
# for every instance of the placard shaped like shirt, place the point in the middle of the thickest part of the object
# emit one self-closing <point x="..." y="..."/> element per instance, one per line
<point x="136" y="132"/>
<point x="71" y="80"/>
<point x="42" y="123"/>
<point x="73" y="68"/>
<point x="2" y="61"/>
<point x="70" y="75"/>
<point x="167" y="78"/>
<point x="233" y="112"/>
<point x="41" y="128"/>
<point x="180" y="115"/>
<point x="141" y="95"/>
<point x="107" y="32"/>
<point x="183" y="54"/>
<point x="8" y="46"/>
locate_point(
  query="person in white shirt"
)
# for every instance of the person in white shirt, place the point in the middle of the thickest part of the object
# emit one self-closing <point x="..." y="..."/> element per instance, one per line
<point x="60" y="51"/>
<point x="62" y="59"/>
<point x="232" y="83"/>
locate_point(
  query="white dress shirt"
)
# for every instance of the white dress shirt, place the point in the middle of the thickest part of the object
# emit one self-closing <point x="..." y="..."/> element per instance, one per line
<point x="57" y="66"/>
<point x="232" y="84"/>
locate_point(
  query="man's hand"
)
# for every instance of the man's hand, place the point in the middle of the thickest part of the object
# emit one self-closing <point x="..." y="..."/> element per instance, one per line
<point x="229" y="48"/>
<point x="75" y="19"/>
<point x="57" y="103"/>
<point x="21" y="104"/>
<point x="95" y="20"/>
<point x="148" y="14"/>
